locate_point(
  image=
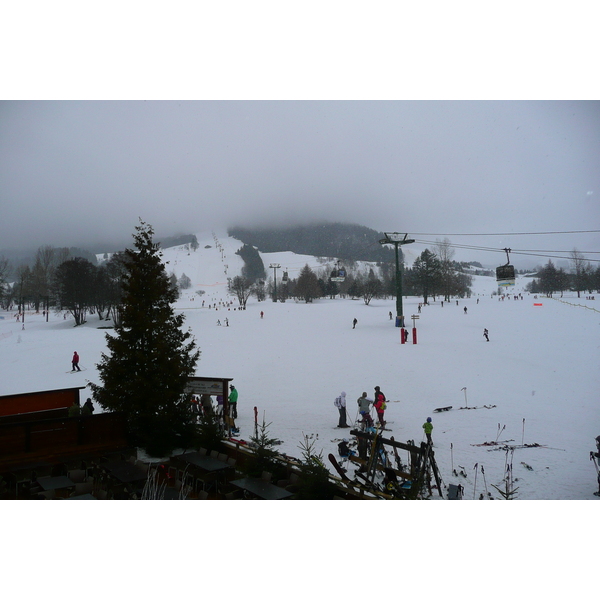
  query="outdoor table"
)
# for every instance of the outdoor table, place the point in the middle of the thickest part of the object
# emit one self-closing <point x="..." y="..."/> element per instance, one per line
<point x="213" y="468"/>
<point x="206" y="463"/>
<point x="124" y="471"/>
<point x="55" y="483"/>
<point x="262" y="489"/>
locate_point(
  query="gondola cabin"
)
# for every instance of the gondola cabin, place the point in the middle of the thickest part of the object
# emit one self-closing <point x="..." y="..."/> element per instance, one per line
<point x="338" y="275"/>
<point x="505" y="275"/>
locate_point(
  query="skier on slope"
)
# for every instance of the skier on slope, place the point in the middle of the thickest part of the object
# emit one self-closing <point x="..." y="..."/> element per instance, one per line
<point x="364" y="408"/>
<point x="428" y="427"/>
<point x="75" y="362"/>
<point x="593" y="457"/>
<point x="340" y="404"/>
<point x="380" y="405"/>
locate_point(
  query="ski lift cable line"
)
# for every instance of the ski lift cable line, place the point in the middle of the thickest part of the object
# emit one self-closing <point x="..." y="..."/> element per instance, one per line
<point x="495" y="249"/>
<point x="539" y="253"/>
<point x="591" y="260"/>
<point x="512" y="233"/>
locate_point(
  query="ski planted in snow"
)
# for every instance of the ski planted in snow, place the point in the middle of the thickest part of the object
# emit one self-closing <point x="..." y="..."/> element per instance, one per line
<point x="338" y="468"/>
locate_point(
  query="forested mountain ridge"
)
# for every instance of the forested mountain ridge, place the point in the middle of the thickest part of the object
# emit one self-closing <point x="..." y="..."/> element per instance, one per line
<point x="337" y="240"/>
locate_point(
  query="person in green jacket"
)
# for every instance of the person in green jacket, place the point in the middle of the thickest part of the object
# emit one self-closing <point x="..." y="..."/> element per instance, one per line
<point x="233" y="396"/>
<point x="428" y="427"/>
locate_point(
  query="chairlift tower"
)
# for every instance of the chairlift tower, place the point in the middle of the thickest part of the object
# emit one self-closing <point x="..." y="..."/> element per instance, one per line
<point x="274" y="266"/>
<point x="397" y="239"/>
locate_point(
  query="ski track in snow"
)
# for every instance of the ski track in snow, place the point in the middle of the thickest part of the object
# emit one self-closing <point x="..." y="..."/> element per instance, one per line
<point x="541" y="365"/>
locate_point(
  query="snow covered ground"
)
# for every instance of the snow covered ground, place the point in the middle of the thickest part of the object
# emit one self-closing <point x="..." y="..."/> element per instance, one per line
<point x="539" y="370"/>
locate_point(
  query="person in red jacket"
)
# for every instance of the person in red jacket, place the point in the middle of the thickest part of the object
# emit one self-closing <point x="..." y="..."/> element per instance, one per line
<point x="75" y="362"/>
<point x="380" y="405"/>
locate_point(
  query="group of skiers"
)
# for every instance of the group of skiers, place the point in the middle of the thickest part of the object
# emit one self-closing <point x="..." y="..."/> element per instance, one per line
<point x="366" y="422"/>
<point x="202" y="405"/>
<point x="364" y="408"/>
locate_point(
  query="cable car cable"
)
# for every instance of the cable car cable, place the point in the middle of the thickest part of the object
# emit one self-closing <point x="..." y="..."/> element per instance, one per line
<point x="513" y="233"/>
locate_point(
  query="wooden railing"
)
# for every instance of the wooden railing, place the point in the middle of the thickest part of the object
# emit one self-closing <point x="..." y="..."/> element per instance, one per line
<point x="59" y="435"/>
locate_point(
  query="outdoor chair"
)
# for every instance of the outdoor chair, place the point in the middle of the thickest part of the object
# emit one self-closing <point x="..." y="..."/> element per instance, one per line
<point x="266" y="476"/>
<point x="83" y="488"/>
<point x="214" y="454"/>
<point x="223" y="457"/>
<point x="293" y="482"/>
<point x="199" y="485"/>
<point x="23" y="488"/>
<point x="291" y="478"/>
<point x="77" y="475"/>
<point x="34" y="489"/>
<point x="203" y="451"/>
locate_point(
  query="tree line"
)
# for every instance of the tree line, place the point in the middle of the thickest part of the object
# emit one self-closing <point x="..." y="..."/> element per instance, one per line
<point x="582" y="277"/>
<point x="72" y="284"/>
<point x="62" y="282"/>
<point x="433" y="274"/>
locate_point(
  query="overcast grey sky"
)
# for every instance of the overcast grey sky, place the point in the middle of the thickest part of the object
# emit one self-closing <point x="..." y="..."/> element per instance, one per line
<point x="75" y="172"/>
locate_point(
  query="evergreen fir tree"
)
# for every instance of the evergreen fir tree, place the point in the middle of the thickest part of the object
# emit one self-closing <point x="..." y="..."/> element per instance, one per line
<point x="314" y="481"/>
<point x="426" y="274"/>
<point x="265" y="455"/>
<point x="307" y="286"/>
<point x="150" y="358"/>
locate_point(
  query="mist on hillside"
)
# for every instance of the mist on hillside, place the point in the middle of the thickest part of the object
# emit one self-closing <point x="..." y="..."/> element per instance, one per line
<point x="83" y="173"/>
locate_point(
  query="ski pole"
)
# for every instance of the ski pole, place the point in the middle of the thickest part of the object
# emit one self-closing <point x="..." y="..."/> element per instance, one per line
<point x="593" y="459"/>
<point x="452" y="456"/>
<point x="475" y="484"/>
<point x="465" y="391"/>
<point x="500" y="431"/>
<point x="485" y="482"/>
<point x="523" y="435"/>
